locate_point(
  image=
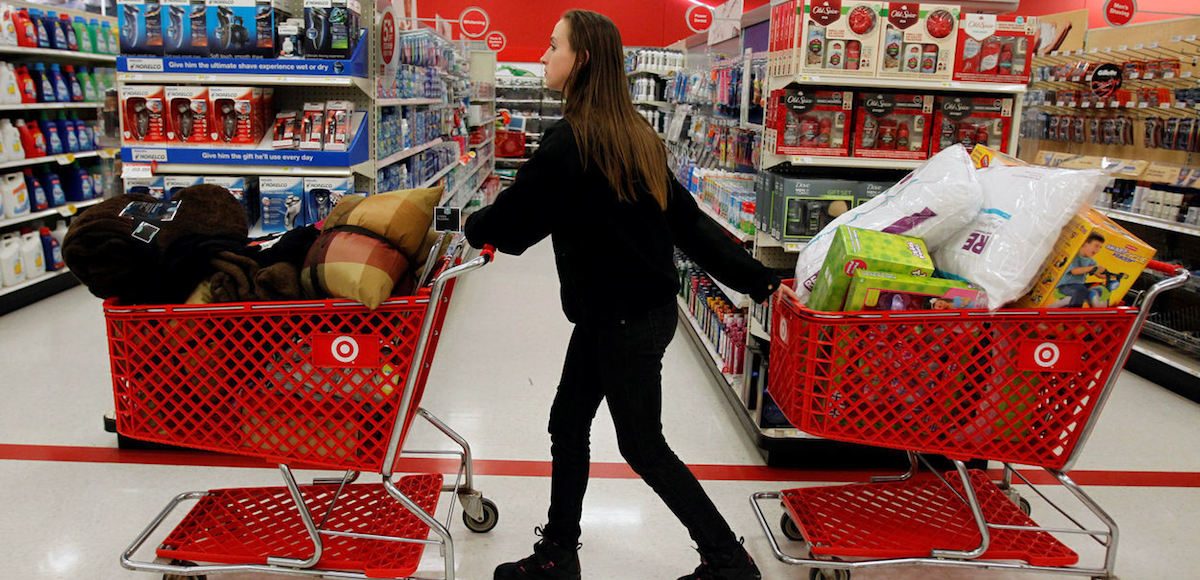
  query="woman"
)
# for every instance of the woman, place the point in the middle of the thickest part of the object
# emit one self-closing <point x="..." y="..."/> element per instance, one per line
<point x="600" y="187"/>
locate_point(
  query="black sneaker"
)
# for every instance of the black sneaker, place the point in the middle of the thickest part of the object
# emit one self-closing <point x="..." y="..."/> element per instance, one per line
<point x="550" y="561"/>
<point x="739" y="566"/>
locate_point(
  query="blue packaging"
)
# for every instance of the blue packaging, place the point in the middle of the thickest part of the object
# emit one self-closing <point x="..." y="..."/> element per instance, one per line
<point x="59" y="38"/>
<point x="43" y="84"/>
<point x="173" y="184"/>
<point x="242" y="189"/>
<point x="54" y="140"/>
<point x="62" y="91"/>
<point x="66" y="131"/>
<point x="73" y="84"/>
<point x="282" y="203"/>
<point x="242" y="28"/>
<point x="37" y="194"/>
<point x="45" y="34"/>
<point x="140" y="25"/>
<point x="322" y="193"/>
<point x="185" y="27"/>
<point x="71" y="183"/>
<point x="53" y="187"/>
<point x="151" y="186"/>
<point x="87" y="139"/>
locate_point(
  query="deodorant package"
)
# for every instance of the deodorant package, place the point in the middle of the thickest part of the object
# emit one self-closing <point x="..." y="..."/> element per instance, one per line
<point x="919" y="41"/>
<point x="972" y="121"/>
<point x="140" y="23"/>
<point x="322" y="193"/>
<point x="142" y="114"/>
<point x="808" y="122"/>
<point x="330" y="28"/>
<point x="151" y="186"/>
<point x="187" y="114"/>
<point x="242" y="27"/>
<point x="185" y="27"/>
<point x="282" y="203"/>
<point x="840" y="37"/>
<point x="243" y="190"/>
<point x="995" y="49"/>
<point x="173" y="184"/>
<point x="934" y="202"/>
<point x="892" y="125"/>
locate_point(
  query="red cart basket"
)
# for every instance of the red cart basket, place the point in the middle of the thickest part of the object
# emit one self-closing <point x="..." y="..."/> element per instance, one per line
<point x="319" y="384"/>
<point x="1015" y="386"/>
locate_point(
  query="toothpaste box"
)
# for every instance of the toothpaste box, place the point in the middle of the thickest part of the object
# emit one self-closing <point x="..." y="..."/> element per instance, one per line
<point x="282" y="203"/>
<point x="855" y="249"/>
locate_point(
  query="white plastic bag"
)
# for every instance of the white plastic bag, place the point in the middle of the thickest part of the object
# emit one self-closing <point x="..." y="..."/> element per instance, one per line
<point x="1024" y="211"/>
<point x="933" y="203"/>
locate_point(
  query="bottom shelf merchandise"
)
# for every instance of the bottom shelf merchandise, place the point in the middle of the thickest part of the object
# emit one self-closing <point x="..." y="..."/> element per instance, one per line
<point x="716" y="318"/>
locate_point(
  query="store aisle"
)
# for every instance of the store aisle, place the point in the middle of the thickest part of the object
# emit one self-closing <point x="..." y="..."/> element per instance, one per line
<point x="72" y="503"/>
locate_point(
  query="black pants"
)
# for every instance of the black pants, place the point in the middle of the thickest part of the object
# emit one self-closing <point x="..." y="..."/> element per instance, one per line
<point x="622" y="362"/>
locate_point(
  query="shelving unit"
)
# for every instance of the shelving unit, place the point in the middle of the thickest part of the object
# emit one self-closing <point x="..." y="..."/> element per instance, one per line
<point x="733" y="382"/>
<point x="62" y="159"/>
<point x="57" y="55"/>
<point x="405" y="154"/>
<point x="1152" y="222"/>
<point x="68" y="210"/>
<point x="49" y="106"/>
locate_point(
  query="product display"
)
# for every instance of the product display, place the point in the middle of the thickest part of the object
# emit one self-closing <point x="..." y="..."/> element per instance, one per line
<point x="185" y="27"/>
<point x="283" y="203"/>
<point x="802" y="207"/>
<point x="661" y="62"/>
<point x="841" y="40"/>
<point x="996" y="49"/>
<point x="892" y="125"/>
<point x="312" y="126"/>
<point x="716" y="319"/>
<point x="187" y="114"/>
<point x="142" y="114"/>
<point x="972" y="121"/>
<point x="330" y="28"/>
<point x="140" y="23"/>
<point x="238" y="28"/>
<point x="885" y="291"/>
<point x="811" y="122"/>
<point x="322" y="194"/>
<point x="918" y="40"/>
<point x="853" y="249"/>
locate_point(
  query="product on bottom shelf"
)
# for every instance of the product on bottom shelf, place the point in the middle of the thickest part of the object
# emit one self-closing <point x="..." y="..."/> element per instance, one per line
<point x="151" y="186"/>
<point x="282" y="203"/>
<point x="187" y="114"/>
<point x="140" y="23"/>
<point x="142" y="110"/>
<point x="892" y="125"/>
<point x="185" y="27"/>
<point x="810" y="122"/>
<point x="856" y="249"/>
<point x="887" y="291"/>
<point x="173" y="184"/>
<point x="995" y="49"/>
<point x="841" y="37"/>
<point x="803" y="206"/>
<point x="10" y="260"/>
<point x="15" y="195"/>
<point x="1094" y="264"/>
<point x="243" y="190"/>
<point x="717" y="320"/>
<point x="971" y="121"/>
<point x="918" y="41"/>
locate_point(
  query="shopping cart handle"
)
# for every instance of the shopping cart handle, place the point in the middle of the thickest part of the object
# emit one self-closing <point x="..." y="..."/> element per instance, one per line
<point x="1166" y="268"/>
<point x="488" y="253"/>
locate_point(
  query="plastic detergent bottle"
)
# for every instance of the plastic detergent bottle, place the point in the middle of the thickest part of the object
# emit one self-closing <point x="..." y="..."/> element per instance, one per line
<point x="110" y="38"/>
<point x="42" y="34"/>
<point x="10" y="260"/>
<point x="9" y="92"/>
<point x="88" y="84"/>
<point x="66" y="130"/>
<point x="37" y="194"/>
<point x="62" y="90"/>
<point x="51" y="246"/>
<point x="26" y="31"/>
<point x="10" y="141"/>
<point x="72" y="185"/>
<point x="33" y="256"/>
<point x="41" y="81"/>
<point x="86" y="42"/>
<point x="54" y="139"/>
<point x="73" y="84"/>
<point x="87" y="141"/>
<point x="25" y="85"/>
<point x="56" y="30"/>
<point x="97" y="182"/>
<point x="53" y="185"/>
<point x="32" y="140"/>
<point x="64" y="21"/>
<point x="8" y="27"/>
<point x="60" y="234"/>
<point x="86" y="184"/>
<point x="16" y="197"/>
<point x="99" y="45"/>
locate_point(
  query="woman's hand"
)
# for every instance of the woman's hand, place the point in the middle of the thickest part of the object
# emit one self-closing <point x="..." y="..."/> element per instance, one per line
<point x="787" y="293"/>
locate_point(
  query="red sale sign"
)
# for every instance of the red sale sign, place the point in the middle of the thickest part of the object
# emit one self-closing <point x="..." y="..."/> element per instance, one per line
<point x="1119" y="12"/>
<point x="345" y="350"/>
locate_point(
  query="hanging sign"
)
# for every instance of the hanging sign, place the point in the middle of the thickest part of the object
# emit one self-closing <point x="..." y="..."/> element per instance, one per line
<point x="1119" y="12"/>
<point x="497" y="41"/>
<point x="727" y="22"/>
<point x="699" y="18"/>
<point x="474" y="22"/>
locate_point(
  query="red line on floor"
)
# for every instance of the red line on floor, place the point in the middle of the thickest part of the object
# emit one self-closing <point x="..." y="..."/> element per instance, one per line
<point x="520" y="468"/>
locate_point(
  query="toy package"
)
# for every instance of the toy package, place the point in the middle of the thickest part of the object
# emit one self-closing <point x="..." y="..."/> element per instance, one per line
<point x="840" y="37"/>
<point x="235" y="115"/>
<point x="886" y="291"/>
<point x="185" y="27"/>
<point x="242" y="28"/>
<point x="142" y="118"/>
<point x="803" y="206"/>
<point x="140" y="23"/>
<point x="312" y="126"/>
<point x="855" y="249"/>
<point x="338" y="117"/>
<point x="892" y="125"/>
<point x="321" y="194"/>
<point x="282" y="203"/>
<point x="809" y="122"/>
<point x="1094" y="264"/>
<point x="995" y="49"/>
<point x="972" y="121"/>
<point x="330" y="28"/>
<point x="918" y="41"/>
<point x="187" y="114"/>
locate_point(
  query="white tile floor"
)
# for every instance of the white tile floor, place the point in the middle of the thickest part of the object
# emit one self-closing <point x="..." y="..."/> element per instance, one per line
<point x="493" y="380"/>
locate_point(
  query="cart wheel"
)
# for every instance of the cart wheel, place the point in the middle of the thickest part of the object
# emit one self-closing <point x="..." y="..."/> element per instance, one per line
<point x="491" y="516"/>
<point x="790" y="529"/>
<point x="183" y="576"/>
<point x="826" y="574"/>
<point x="1025" y="506"/>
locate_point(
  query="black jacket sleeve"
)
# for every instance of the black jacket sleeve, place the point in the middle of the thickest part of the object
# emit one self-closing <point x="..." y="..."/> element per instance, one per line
<point x="706" y="243"/>
<point x="522" y="215"/>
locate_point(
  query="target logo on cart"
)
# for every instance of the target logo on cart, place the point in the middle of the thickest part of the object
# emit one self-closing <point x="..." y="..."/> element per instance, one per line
<point x="345" y="350"/>
<point x="1046" y="356"/>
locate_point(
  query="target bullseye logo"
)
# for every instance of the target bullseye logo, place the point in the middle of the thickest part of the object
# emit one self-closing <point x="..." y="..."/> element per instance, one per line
<point x="1046" y="355"/>
<point x="346" y="350"/>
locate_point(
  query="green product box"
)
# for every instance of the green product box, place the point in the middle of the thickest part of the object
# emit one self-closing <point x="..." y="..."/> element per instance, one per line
<point x="803" y="207"/>
<point x="887" y="291"/>
<point x="854" y="249"/>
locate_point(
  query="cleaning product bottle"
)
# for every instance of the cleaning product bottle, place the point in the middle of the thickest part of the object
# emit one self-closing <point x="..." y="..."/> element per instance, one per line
<point x="68" y="29"/>
<point x="71" y="184"/>
<point x="97" y="182"/>
<point x="86" y="43"/>
<point x="10" y="260"/>
<point x="26" y="31"/>
<point x="60" y="234"/>
<point x="73" y="83"/>
<point x="87" y="189"/>
<point x="51" y="246"/>
<point x="83" y="133"/>
<point x="110" y="38"/>
<point x="16" y="197"/>
<point x="54" y="140"/>
<point x="41" y="81"/>
<point x="25" y="85"/>
<point x="62" y="90"/>
<point x="32" y="140"/>
<point x="98" y="43"/>
<point x="66" y="130"/>
<point x="33" y="255"/>
<point x="9" y="93"/>
<point x="87" y="85"/>
<point x="42" y="33"/>
<point x="8" y="26"/>
<point x="53" y="185"/>
<point x="10" y="141"/>
<point x="56" y="29"/>
<point x="37" y="193"/>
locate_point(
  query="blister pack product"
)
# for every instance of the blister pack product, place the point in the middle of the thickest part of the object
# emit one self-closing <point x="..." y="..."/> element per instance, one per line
<point x="919" y="41"/>
<point x="1024" y="210"/>
<point x="185" y="27"/>
<point x="892" y="125"/>
<point x="338" y="117"/>
<point x="151" y="186"/>
<point x="312" y="126"/>
<point x="286" y="132"/>
<point x="241" y="28"/>
<point x="809" y="122"/>
<point x="995" y="49"/>
<point x="321" y="194"/>
<point x="173" y="184"/>
<point x="840" y="37"/>
<point x="187" y="114"/>
<point x="933" y="203"/>
<point x="282" y="203"/>
<point x="330" y="28"/>
<point x="142" y="114"/>
<point x="235" y="113"/>
<point x="291" y="38"/>
<point x="140" y="23"/>
<point x="973" y="121"/>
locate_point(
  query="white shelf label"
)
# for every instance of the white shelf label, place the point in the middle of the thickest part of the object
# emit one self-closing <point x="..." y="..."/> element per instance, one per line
<point x="1100" y="105"/>
<point x="1139" y="46"/>
<point x="1152" y="45"/>
<point x="1164" y="105"/>
<point x="1191" y="38"/>
<point x="159" y="155"/>
<point x="65" y="159"/>
<point x="1186" y="74"/>
<point x="144" y="65"/>
<point x="68" y="210"/>
<point x="136" y="171"/>
<point x="105" y="153"/>
<point x="1143" y="105"/>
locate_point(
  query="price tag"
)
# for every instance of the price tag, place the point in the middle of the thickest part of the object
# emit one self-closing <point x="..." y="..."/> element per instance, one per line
<point x="1115" y="104"/>
<point x="447" y="219"/>
<point x="1134" y="75"/>
<point x="1071" y="104"/>
<point x="1181" y="105"/>
<point x="1187" y="74"/>
<point x="105" y="153"/>
<point x="1093" y="51"/>
<point x="1139" y="46"/>
<point x="1054" y="53"/>
<point x="1191" y="38"/>
<point x="137" y="171"/>
<point x="1153" y="45"/>
<point x="1164" y="105"/>
<point x="1130" y="105"/>
<point x="1059" y="104"/>
<point x="65" y="159"/>
<point x="68" y="210"/>
<point x="1100" y="105"/>
<point x="1176" y="38"/>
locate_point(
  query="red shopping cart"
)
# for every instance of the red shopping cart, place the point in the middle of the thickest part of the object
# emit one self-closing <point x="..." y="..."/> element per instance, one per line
<point x="316" y="384"/>
<point x="1014" y="386"/>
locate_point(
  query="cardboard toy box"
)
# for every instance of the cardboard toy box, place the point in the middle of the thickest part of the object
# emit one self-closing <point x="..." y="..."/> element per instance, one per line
<point x="971" y="121"/>
<point x="995" y="49"/>
<point x="918" y="41"/>
<point x="804" y="206"/>
<point x="892" y="125"/>
<point x="1113" y="257"/>
<point x="140" y="25"/>
<point x="809" y="122"/>
<point x="185" y="27"/>
<point x="142" y="114"/>
<point x="885" y="291"/>
<point x="856" y="249"/>
<point x="840" y="37"/>
<point x="187" y="114"/>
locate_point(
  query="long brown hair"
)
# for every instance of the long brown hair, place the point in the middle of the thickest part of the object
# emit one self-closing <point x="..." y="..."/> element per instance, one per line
<point x="608" y="129"/>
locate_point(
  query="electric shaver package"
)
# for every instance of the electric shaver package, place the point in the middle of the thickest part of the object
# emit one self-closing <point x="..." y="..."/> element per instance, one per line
<point x="187" y="114"/>
<point x="173" y="184"/>
<point x="338" y="115"/>
<point x="235" y="112"/>
<point x="243" y="190"/>
<point x="185" y="27"/>
<point x="282" y="203"/>
<point x="242" y="27"/>
<point x="322" y="193"/>
<point x="151" y="186"/>
<point x="312" y="127"/>
<point x="286" y="133"/>
<point x="142" y="114"/>
<point x="330" y="28"/>
<point x="140" y="25"/>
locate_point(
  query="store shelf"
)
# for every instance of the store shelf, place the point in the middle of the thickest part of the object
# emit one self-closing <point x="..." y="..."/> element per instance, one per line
<point x="731" y="381"/>
<point x="738" y="299"/>
<point x="752" y="127"/>
<point x="405" y="154"/>
<point x="757" y="329"/>
<point x="644" y="72"/>
<point x="848" y="162"/>
<point x="409" y="102"/>
<point x="48" y="106"/>
<point x="65" y="211"/>
<point x="659" y="104"/>
<point x="64" y="159"/>
<point x="1167" y="356"/>
<point x="485" y="122"/>
<point x="765" y="240"/>
<point x="530" y="101"/>
<point x="31" y="283"/>
<point x="908" y="84"/>
<point x="483" y="99"/>
<point x="733" y="231"/>
<point x="432" y="181"/>
<point x="58" y="54"/>
<point x="1152" y="222"/>
<point x="480" y="163"/>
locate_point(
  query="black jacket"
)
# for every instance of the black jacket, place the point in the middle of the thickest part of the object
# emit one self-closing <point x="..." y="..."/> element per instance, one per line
<point x="615" y="259"/>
